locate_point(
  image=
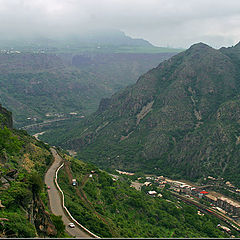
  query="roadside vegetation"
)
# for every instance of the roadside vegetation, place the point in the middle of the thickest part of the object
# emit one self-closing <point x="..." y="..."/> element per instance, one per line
<point x="23" y="197"/>
<point x="111" y="208"/>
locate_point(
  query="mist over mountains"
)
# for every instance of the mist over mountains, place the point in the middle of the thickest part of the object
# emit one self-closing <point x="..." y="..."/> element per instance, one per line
<point x="90" y="38"/>
<point x="48" y="78"/>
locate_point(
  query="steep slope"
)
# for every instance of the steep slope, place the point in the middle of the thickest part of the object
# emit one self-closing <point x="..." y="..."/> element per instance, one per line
<point x="5" y="118"/>
<point x="112" y="209"/>
<point x="23" y="200"/>
<point x="38" y="87"/>
<point x="179" y="119"/>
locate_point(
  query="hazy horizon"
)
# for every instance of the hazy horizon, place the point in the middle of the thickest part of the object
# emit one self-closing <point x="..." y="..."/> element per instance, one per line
<point x="164" y="23"/>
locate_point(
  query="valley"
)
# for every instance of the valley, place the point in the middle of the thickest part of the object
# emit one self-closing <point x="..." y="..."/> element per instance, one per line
<point x="119" y="119"/>
<point x="106" y="212"/>
<point x="50" y="86"/>
<point x="109" y="206"/>
<point x="180" y="119"/>
<point x="117" y="139"/>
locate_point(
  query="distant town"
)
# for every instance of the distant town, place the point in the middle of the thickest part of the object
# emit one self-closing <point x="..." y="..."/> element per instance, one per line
<point x="215" y="200"/>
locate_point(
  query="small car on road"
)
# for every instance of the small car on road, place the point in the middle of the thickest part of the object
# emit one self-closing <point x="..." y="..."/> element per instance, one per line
<point x="71" y="225"/>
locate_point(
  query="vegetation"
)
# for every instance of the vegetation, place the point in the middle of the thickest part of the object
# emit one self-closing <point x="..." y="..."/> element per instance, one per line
<point x="180" y="119"/>
<point x="58" y="223"/>
<point x="35" y="84"/>
<point x="23" y="162"/>
<point x="113" y="209"/>
<point x="94" y="42"/>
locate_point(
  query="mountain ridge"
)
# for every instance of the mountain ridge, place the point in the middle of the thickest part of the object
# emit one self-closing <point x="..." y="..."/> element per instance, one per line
<point x="33" y="85"/>
<point x="168" y="118"/>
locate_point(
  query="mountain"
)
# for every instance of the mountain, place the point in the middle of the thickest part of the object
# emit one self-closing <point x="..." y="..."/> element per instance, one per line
<point x="106" y="206"/>
<point x="108" y="37"/>
<point x="39" y="87"/>
<point x="108" y="40"/>
<point x="180" y="119"/>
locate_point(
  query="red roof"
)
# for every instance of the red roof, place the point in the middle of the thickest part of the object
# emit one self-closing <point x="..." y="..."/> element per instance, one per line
<point x="204" y="192"/>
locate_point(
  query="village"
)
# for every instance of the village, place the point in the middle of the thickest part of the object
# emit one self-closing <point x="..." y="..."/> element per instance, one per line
<point x="217" y="201"/>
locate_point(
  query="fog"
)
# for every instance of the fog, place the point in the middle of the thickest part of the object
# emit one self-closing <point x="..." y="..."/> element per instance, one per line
<point x="174" y="23"/>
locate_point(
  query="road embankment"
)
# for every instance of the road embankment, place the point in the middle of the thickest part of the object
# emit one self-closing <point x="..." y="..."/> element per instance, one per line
<point x="56" y="202"/>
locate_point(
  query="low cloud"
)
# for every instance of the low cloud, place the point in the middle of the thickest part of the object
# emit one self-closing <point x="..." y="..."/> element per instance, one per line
<point x="163" y="22"/>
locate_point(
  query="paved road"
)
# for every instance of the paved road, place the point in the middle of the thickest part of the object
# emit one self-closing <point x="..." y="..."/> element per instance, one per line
<point x="41" y="124"/>
<point x="55" y="198"/>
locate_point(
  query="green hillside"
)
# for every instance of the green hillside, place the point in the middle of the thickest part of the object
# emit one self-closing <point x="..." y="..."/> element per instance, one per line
<point x="181" y="119"/>
<point x="110" y="208"/>
<point x="23" y="197"/>
<point x="39" y="87"/>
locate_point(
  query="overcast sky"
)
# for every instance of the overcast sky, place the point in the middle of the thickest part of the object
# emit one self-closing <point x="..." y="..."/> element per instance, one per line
<point x="175" y="23"/>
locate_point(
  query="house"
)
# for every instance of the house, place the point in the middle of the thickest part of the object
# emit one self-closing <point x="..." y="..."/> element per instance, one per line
<point x="147" y="184"/>
<point x="229" y="205"/>
<point x="223" y="204"/>
<point x="73" y="113"/>
<point x="176" y="190"/>
<point x="220" y="210"/>
<point x="149" y="178"/>
<point x="229" y="184"/>
<point x="152" y="193"/>
<point x="211" y="178"/>
<point x="224" y="228"/>
<point x="210" y="198"/>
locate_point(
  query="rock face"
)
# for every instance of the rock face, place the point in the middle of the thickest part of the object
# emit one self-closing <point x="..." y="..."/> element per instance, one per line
<point x="189" y="125"/>
<point x="42" y="220"/>
<point x="5" y="118"/>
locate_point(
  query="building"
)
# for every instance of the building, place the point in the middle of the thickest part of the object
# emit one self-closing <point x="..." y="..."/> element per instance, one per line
<point x="152" y="193"/>
<point x="229" y="205"/>
<point x="202" y="193"/>
<point x="210" y="198"/>
<point x="224" y="228"/>
<point x="147" y="184"/>
<point x="125" y="173"/>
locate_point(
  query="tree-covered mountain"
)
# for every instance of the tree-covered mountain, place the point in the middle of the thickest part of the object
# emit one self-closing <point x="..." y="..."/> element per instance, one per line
<point x="180" y="119"/>
<point x="107" y="208"/>
<point x="39" y="86"/>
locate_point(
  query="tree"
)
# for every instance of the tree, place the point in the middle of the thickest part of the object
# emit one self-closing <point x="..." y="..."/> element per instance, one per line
<point x="9" y="142"/>
<point x="36" y="183"/>
<point x="58" y="223"/>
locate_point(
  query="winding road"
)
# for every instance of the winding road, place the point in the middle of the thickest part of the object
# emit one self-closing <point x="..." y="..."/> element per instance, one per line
<point x="55" y="198"/>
